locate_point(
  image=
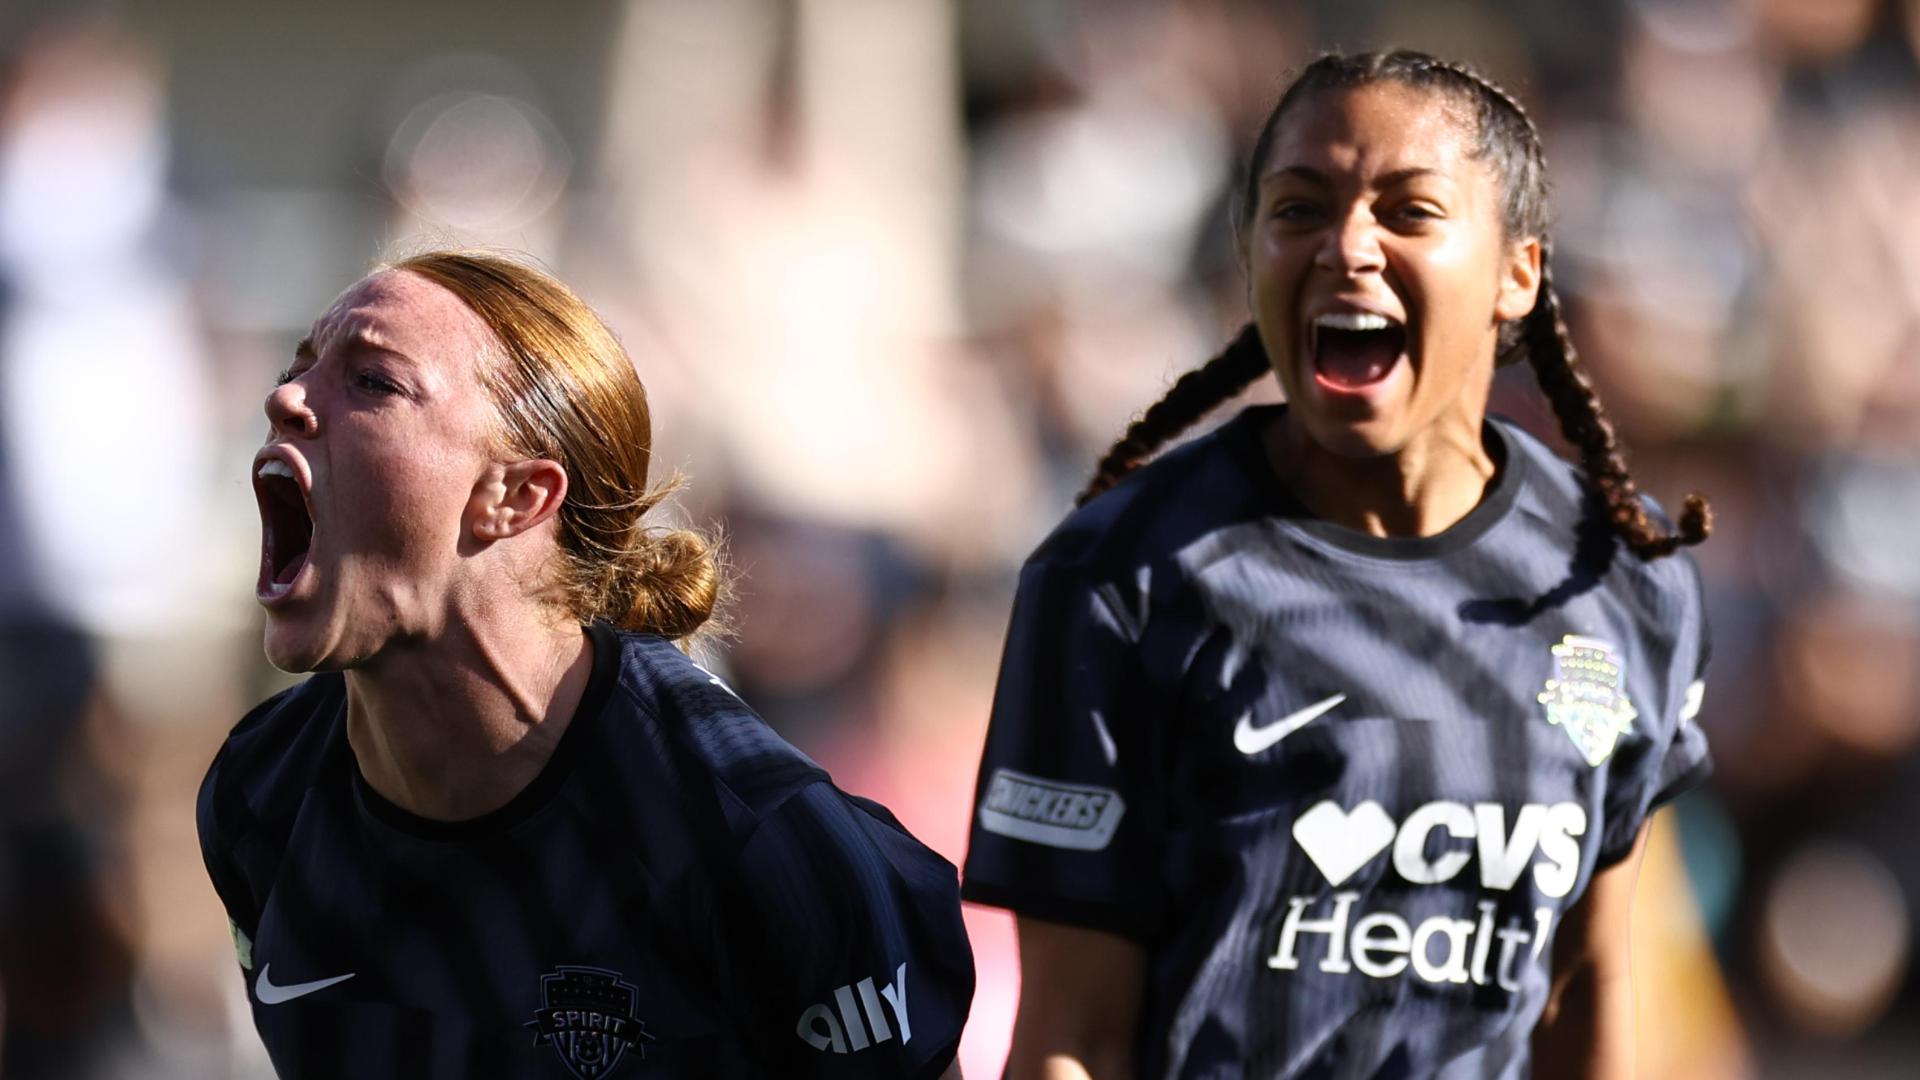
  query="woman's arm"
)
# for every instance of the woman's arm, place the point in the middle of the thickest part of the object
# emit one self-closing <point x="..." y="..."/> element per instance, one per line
<point x="1080" y="993"/>
<point x="1586" y="1030"/>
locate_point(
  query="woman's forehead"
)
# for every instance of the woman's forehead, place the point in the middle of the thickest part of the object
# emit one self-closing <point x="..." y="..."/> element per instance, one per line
<point x="405" y="313"/>
<point x="1379" y="127"/>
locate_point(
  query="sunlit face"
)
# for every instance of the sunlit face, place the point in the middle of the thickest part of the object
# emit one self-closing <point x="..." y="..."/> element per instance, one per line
<point x="378" y="438"/>
<point x="1379" y="271"/>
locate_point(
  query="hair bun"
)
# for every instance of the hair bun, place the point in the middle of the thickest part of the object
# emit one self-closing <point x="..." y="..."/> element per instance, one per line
<point x="567" y="390"/>
<point x="675" y="578"/>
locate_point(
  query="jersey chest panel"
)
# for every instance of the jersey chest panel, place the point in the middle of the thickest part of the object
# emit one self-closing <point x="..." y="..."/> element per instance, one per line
<point x="416" y="958"/>
<point x="1400" y="798"/>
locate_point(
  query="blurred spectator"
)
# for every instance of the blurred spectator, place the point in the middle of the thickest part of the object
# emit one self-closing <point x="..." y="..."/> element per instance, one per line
<point x="80" y="179"/>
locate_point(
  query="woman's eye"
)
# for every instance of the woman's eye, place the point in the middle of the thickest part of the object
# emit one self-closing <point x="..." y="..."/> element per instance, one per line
<point x="283" y="378"/>
<point x="377" y="384"/>
<point x="1293" y="210"/>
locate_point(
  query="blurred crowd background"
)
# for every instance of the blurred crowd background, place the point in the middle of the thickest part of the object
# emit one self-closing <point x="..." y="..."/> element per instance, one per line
<point x="894" y="272"/>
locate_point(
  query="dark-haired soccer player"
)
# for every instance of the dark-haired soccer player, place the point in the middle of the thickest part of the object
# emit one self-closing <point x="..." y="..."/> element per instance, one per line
<point x="1324" y="746"/>
<point x="510" y="830"/>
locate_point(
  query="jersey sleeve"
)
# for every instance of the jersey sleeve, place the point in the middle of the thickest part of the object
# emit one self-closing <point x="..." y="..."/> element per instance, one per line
<point x="856" y="963"/>
<point x="1677" y="758"/>
<point x="220" y="818"/>
<point x="241" y="856"/>
<point x="1068" y="813"/>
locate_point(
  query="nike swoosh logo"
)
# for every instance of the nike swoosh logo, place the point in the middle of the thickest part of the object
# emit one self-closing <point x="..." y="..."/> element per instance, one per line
<point x="270" y="994"/>
<point x="1251" y="740"/>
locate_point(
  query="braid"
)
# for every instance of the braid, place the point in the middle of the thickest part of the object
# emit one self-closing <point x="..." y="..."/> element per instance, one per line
<point x="1191" y="397"/>
<point x="1564" y="381"/>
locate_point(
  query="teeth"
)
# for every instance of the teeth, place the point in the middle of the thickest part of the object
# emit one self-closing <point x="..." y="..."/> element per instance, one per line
<point x="275" y="468"/>
<point x="1353" y="320"/>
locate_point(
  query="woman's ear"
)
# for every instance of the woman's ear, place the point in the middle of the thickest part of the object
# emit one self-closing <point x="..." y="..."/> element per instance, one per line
<point x="1519" y="280"/>
<point x="511" y="498"/>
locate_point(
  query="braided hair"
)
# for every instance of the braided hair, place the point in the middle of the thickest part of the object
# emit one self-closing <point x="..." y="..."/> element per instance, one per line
<point x="1505" y="137"/>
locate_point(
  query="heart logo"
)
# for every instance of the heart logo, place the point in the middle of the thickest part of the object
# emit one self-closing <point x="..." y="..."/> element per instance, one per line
<point x="1339" y="842"/>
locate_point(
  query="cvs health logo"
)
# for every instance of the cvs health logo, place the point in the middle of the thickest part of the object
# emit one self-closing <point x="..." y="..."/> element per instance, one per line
<point x="1441" y="949"/>
<point x="1340" y="843"/>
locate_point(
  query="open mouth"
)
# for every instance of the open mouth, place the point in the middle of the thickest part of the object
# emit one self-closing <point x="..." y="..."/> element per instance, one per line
<point x="1354" y="350"/>
<point x="286" y="526"/>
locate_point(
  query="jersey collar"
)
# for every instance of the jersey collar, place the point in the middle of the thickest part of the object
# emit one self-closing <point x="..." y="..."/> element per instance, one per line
<point x="1242" y="436"/>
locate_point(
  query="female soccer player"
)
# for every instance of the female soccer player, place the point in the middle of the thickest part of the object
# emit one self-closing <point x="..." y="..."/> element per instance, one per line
<point x="1313" y="735"/>
<point x="509" y="829"/>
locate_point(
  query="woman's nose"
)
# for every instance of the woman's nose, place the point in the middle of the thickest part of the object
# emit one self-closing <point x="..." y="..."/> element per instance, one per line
<point x="289" y="414"/>
<point x="1352" y="246"/>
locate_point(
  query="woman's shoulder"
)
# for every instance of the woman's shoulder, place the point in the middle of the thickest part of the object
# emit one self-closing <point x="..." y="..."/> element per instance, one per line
<point x="1558" y="494"/>
<point x="1199" y="486"/>
<point x="667" y="704"/>
<point x="1554" y="486"/>
<point x="269" y="759"/>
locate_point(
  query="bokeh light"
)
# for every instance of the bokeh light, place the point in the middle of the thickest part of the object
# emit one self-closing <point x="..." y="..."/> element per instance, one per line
<point x="1835" y="937"/>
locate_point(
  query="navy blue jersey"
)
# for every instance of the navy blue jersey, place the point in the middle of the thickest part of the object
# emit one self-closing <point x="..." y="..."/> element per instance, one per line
<point x="678" y="894"/>
<point x="1341" y="788"/>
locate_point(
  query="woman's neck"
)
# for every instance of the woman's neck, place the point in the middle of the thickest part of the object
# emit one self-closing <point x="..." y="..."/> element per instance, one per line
<point x="1422" y="490"/>
<point x="454" y="726"/>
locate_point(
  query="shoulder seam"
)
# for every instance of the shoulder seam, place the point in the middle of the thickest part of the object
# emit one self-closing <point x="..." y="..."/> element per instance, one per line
<point x="1089" y="536"/>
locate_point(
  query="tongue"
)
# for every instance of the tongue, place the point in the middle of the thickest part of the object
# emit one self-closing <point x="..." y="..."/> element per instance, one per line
<point x="285" y="574"/>
<point x="1353" y="360"/>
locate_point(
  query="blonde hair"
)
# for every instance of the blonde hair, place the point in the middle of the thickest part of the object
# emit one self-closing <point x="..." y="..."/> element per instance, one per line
<point x="567" y="391"/>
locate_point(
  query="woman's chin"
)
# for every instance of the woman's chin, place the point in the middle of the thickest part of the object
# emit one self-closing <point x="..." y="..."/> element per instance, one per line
<point x="1361" y="437"/>
<point x="1357" y="422"/>
<point x="293" y="644"/>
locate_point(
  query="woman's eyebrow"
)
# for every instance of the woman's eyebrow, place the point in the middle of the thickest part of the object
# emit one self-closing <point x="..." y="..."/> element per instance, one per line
<point x="1401" y="176"/>
<point x="368" y="338"/>
<point x="360" y="337"/>
<point x="1298" y="172"/>
<point x="1315" y="176"/>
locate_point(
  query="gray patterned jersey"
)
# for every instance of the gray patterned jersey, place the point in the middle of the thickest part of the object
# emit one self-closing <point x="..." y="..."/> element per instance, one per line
<point x="1342" y="788"/>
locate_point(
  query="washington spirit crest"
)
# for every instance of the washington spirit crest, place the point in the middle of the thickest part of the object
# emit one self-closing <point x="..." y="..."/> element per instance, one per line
<point x="588" y="1020"/>
<point x="1587" y="696"/>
